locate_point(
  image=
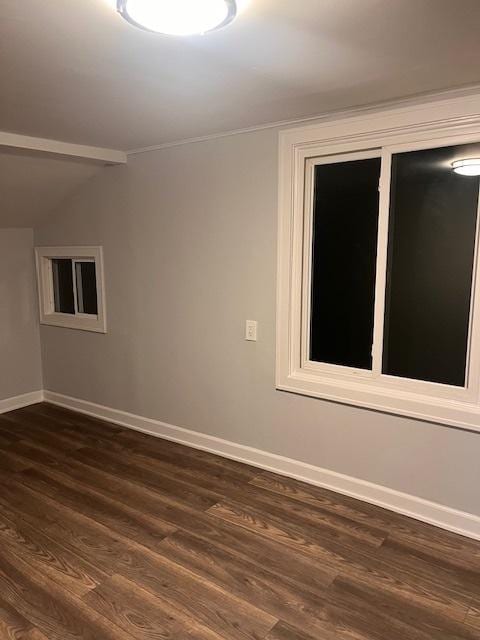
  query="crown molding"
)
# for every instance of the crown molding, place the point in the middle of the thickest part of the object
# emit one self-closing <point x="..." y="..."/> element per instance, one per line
<point x="408" y="101"/>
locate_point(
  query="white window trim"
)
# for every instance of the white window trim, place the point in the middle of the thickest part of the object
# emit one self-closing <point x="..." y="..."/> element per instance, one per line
<point x="48" y="315"/>
<point x="445" y="123"/>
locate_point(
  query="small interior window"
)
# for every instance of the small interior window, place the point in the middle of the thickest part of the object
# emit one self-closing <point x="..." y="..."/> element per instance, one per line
<point x="70" y="287"/>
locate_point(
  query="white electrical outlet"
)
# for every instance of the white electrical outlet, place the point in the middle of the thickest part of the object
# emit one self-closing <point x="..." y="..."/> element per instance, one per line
<point x="251" y="330"/>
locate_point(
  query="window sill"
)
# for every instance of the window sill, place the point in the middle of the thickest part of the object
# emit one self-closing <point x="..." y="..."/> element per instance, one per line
<point x="74" y="322"/>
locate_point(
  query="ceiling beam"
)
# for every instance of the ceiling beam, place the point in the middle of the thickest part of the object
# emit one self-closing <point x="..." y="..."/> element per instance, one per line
<point x="64" y="149"/>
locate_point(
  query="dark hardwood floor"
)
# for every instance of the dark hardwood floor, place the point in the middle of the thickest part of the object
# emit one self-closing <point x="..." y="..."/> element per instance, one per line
<point x="106" y="533"/>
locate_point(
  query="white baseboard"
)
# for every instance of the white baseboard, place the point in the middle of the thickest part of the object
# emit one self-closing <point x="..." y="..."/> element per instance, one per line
<point x="460" y="522"/>
<point x="17" y="402"/>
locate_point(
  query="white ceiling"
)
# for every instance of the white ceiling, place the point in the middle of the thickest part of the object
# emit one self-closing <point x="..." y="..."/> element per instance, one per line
<point x="73" y="70"/>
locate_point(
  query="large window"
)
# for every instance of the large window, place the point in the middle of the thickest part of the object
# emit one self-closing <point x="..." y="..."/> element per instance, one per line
<point x="430" y="242"/>
<point x="70" y="285"/>
<point x="378" y="286"/>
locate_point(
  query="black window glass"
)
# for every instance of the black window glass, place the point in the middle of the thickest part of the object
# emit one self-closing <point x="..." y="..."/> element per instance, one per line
<point x="345" y="225"/>
<point x="86" y="287"/>
<point x="433" y="214"/>
<point x="63" y="285"/>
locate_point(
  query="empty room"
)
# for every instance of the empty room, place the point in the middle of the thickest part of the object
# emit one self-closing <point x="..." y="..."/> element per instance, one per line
<point x="239" y="320"/>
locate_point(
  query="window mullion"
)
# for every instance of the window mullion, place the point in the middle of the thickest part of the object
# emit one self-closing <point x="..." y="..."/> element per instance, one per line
<point x="50" y="286"/>
<point x="382" y="254"/>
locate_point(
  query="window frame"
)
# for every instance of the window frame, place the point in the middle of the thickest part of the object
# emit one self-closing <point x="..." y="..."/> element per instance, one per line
<point x="383" y="134"/>
<point x="48" y="316"/>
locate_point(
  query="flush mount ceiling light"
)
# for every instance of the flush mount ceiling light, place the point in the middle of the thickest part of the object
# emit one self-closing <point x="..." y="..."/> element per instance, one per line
<point x="178" y="17"/>
<point x="468" y="167"/>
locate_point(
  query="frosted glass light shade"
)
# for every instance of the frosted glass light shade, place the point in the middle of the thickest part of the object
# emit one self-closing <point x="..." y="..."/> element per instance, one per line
<point x="178" y="17"/>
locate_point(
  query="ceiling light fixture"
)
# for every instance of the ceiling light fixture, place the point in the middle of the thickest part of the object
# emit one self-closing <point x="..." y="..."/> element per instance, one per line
<point x="468" y="167"/>
<point x="178" y="17"/>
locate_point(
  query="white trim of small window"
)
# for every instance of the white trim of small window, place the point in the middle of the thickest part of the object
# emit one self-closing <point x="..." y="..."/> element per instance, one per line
<point x="45" y="284"/>
<point x="431" y="125"/>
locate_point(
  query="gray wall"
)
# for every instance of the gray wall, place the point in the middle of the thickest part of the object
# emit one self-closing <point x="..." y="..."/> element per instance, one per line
<point x="20" y="370"/>
<point x="189" y="235"/>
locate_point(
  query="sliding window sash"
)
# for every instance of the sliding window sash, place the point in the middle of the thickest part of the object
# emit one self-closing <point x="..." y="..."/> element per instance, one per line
<point x="307" y="363"/>
<point x="470" y="391"/>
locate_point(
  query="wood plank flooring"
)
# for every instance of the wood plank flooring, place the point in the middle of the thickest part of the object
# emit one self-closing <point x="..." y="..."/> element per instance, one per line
<point x="109" y="534"/>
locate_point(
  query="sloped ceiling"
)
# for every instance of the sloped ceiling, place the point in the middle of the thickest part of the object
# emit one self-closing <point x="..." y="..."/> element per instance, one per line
<point x="33" y="186"/>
